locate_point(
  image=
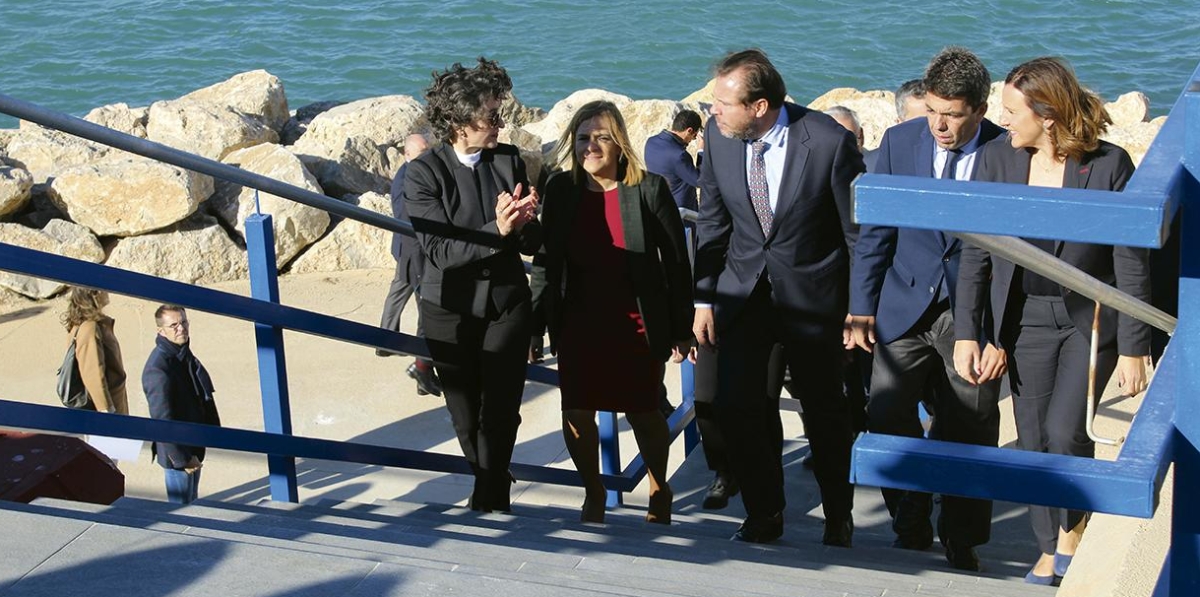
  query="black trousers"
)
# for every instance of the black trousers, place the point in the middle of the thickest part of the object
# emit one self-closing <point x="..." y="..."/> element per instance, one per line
<point x="749" y="412"/>
<point x="1048" y="372"/>
<point x="399" y="291"/>
<point x="481" y="363"/>
<point x="904" y="372"/>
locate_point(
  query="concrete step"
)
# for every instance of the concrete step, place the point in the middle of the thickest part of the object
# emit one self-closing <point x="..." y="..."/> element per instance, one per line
<point x="704" y="566"/>
<point x="47" y="554"/>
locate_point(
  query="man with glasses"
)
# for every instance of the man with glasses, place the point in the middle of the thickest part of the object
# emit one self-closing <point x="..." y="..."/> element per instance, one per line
<point x="178" y="388"/>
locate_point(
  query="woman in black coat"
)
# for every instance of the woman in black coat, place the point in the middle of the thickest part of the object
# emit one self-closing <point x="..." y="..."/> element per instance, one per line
<point x="613" y="285"/>
<point x="1053" y="140"/>
<point x="474" y="213"/>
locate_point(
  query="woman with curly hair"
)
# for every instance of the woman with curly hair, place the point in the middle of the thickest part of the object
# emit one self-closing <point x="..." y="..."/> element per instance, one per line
<point x="474" y="213"/>
<point x="1054" y="127"/>
<point x="97" y="351"/>
<point x="614" y="286"/>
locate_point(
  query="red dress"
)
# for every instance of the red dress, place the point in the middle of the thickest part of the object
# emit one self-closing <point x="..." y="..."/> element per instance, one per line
<point x="604" y="362"/>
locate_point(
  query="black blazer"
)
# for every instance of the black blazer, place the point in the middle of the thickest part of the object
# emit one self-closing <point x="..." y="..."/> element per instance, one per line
<point x="469" y="268"/>
<point x="659" y="268"/>
<point x="807" y="253"/>
<point x="405" y="249"/>
<point x="897" y="271"/>
<point x="1127" y="268"/>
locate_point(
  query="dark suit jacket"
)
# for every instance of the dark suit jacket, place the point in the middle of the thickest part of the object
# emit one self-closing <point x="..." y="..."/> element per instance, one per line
<point x="898" y="272"/>
<point x="177" y="388"/>
<point x="469" y="268"/>
<point x="659" y="268"/>
<point x="807" y="253"/>
<point x="405" y="249"/>
<point x="1106" y="169"/>
<point x="667" y="156"/>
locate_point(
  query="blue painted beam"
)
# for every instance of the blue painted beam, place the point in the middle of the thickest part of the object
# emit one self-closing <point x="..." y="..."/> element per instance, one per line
<point x="81" y="273"/>
<point x="1129" y="486"/>
<point x="63" y="420"/>
<point x="1012" y="210"/>
<point x="1140" y="216"/>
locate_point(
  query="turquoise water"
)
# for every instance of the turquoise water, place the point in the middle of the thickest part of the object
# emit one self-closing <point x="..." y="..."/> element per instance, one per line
<point x="78" y="54"/>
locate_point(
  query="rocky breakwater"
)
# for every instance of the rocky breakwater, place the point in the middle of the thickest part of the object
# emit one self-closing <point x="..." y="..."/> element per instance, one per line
<point x="65" y="195"/>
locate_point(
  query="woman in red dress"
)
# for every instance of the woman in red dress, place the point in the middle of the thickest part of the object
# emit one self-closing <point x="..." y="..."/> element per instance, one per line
<point x="613" y="284"/>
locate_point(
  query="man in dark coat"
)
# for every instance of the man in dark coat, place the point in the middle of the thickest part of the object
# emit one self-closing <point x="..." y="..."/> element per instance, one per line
<point x="178" y="388"/>
<point x="410" y="265"/>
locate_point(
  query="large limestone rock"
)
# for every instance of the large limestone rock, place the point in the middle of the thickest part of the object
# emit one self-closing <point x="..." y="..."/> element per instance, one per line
<point x="646" y="118"/>
<point x="120" y="117"/>
<point x="549" y="128"/>
<point x="297" y="125"/>
<point x="876" y="110"/>
<point x="15" y="184"/>
<point x="347" y="147"/>
<point x="1130" y="108"/>
<point x="205" y="128"/>
<point x="351" y="244"/>
<point x="1135" y="137"/>
<point x="257" y="94"/>
<point x="44" y="152"/>
<point x="130" y="196"/>
<point x="59" y="237"/>
<point x="6" y="137"/>
<point x="195" y="251"/>
<point x="530" y="146"/>
<point x="516" y="115"/>
<point x="296" y="225"/>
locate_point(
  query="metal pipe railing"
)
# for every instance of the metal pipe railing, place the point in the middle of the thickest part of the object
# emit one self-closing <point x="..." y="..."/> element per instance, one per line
<point x="169" y="155"/>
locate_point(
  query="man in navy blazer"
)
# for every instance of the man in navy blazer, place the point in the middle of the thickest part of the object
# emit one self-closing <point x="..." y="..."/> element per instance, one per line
<point x="410" y="265"/>
<point x="772" y="266"/>
<point x="901" y="296"/>
<point x="667" y="156"/>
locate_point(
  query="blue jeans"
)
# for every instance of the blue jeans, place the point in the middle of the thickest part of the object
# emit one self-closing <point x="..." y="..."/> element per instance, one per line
<point x="182" y="486"/>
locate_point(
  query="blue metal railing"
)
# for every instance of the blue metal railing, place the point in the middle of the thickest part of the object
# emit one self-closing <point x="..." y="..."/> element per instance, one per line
<point x="1167" y="427"/>
<point x="270" y="319"/>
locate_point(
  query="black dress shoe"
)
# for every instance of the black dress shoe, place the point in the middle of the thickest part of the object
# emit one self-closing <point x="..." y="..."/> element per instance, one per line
<point x="914" y="541"/>
<point x="427" y="381"/>
<point x="722" y="488"/>
<point x="962" y="557"/>
<point x="838" y="533"/>
<point x="760" y="530"/>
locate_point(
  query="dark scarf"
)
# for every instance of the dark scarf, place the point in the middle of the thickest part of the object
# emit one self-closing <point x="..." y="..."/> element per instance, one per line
<point x="201" y="382"/>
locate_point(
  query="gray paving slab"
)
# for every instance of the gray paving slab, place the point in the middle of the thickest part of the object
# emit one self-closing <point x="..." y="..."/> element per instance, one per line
<point x="121" y="561"/>
<point x="30" y="539"/>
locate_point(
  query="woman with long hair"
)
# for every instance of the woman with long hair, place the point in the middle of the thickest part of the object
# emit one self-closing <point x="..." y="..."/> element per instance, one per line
<point x="474" y="213"/>
<point x="613" y="285"/>
<point x="97" y="351"/>
<point x="1054" y="127"/>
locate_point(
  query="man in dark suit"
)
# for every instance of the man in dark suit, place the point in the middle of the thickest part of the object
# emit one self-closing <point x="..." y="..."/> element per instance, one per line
<point x="410" y="265"/>
<point x="178" y="388"/>
<point x="667" y="156"/>
<point x="772" y="266"/>
<point x="901" y="297"/>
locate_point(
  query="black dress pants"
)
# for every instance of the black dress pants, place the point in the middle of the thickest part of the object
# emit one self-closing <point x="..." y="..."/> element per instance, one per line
<point x="749" y="412"/>
<point x="904" y="372"/>
<point x="1048" y="372"/>
<point x="399" y="291"/>
<point x="481" y="363"/>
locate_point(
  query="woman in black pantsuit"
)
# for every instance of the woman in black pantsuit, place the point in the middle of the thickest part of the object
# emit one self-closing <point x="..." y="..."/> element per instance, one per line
<point x="1054" y="126"/>
<point x="474" y="213"/>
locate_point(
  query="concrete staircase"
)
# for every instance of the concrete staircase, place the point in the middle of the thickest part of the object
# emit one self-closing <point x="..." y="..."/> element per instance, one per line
<point x="140" y="547"/>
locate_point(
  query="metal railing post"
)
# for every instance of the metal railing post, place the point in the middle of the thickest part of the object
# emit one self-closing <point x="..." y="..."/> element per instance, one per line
<point x="272" y="365"/>
<point x="610" y="454"/>
<point x="1184" y="557"/>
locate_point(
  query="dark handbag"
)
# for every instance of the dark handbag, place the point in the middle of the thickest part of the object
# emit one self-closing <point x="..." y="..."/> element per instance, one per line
<point x="70" y="383"/>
